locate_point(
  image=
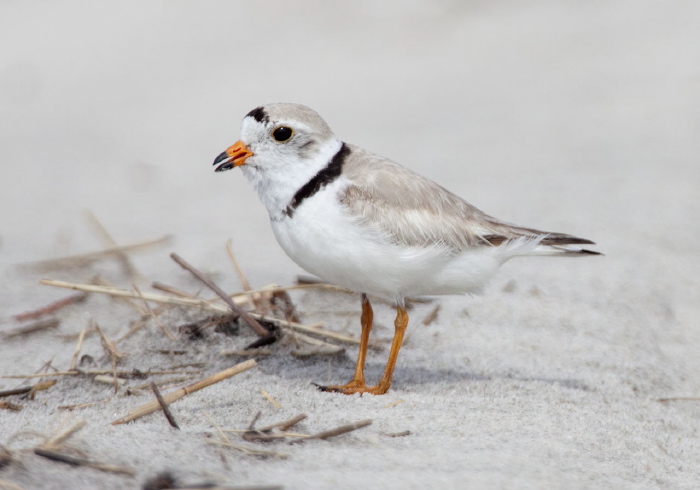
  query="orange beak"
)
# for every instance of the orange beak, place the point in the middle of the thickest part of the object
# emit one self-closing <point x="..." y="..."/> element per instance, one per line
<point x="234" y="156"/>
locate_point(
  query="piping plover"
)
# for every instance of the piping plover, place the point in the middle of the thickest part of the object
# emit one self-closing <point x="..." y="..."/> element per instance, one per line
<point x="362" y="221"/>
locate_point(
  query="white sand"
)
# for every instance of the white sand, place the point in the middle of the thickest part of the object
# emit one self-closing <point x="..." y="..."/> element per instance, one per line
<point x="580" y="117"/>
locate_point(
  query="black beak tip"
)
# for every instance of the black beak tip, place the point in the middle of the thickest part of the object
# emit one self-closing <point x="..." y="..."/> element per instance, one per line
<point x="223" y="167"/>
<point x="223" y="156"/>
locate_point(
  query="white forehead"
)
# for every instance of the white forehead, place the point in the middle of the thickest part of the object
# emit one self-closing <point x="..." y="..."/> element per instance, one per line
<point x="297" y="116"/>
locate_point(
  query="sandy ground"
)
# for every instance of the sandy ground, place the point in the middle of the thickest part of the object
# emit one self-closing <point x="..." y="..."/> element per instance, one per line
<point x="580" y="117"/>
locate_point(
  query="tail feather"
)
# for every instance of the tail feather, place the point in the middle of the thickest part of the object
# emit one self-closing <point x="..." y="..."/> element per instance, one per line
<point x="544" y="244"/>
<point x="561" y="239"/>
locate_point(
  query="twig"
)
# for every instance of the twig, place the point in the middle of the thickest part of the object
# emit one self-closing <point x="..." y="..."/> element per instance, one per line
<point x="246" y="352"/>
<point x="248" y="450"/>
<point x="313" y="329"/>
<point x="321" y="347"/>
<point x="80" y="405"/>
<point x="151" y="407"/>
<point x="251" y="425"/>
<point x="315" y="281"/>
<point x="393" y="404"/>
<point x="398" y="434"/>
<point x="257" y="328"/>
<point x="270" y="399"/>
<point x="195" y="302"/>
<point x="62" y="436"/>
<point x="101" y="281"/>
<point x="78" y="347"/>
<point x="90" y="372"/>
<point x="162" y="382"/>
<point x="221" y="433"/>
<point x="285" y="424"/>
<point x="90" y="257"/>
<point x="160" y="324"/>
<point x="106" y="237"/>
<point x="245" y="284"/>
<point x="33" y="327"/>
<point x="15" y="391"/>
<point x="225" y="441"/>
<point x="112" y="352"/>
<point x="256" y="436"/>
<point x="432" y="316"/>
<point x="74" y="461"/>
<point x="164" y="406"/>
<point x="50" y="308"/>
<point x="293" y="287"/>
<point x="124" y="293"/>
<point x="44" y="385"/>
<point x="10" y="406"/>
<point x="282" y="300"/>
<point x="343" y="429"/>
<point x="110" y="380"/>
<point x="172" y="290"/>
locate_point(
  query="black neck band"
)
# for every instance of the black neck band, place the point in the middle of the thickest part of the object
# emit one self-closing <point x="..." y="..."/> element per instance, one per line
<point x="324" y="177"/>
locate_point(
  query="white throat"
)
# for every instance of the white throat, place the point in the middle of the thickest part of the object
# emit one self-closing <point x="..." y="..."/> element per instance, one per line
<point x="277" y="178"/>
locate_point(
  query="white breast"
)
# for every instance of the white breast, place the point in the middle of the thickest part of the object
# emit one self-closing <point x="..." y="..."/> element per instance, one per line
<point x="325" y="240"/>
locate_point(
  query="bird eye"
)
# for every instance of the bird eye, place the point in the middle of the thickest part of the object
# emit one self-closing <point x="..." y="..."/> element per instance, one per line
<point x="282" y="134"/>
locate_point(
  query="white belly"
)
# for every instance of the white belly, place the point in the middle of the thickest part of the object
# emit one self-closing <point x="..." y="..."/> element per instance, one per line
<point x="325" y="241"/>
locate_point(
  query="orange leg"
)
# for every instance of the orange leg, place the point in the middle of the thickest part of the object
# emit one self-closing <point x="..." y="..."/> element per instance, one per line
<point x="357" y="384"/>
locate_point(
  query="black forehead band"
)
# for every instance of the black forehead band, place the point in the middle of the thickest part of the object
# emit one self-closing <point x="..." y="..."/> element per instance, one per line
<point x="259" y="115"/>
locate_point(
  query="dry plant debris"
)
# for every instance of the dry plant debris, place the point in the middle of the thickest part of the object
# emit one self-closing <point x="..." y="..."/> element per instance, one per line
<point x="164" y="406"/>
<point x="55" y="448"/>
<point x="82" y="260"/>
<point x="151" y="407"/>
<point x="278" y="431"/>
<point x="50" y="308"/>
<point x="33" y="327"/>
<point x="205" y="305"/>
<point x="273" y="313"/>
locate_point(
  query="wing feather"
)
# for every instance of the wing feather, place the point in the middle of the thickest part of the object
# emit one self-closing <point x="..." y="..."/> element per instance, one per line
<point x="415" y="211"/>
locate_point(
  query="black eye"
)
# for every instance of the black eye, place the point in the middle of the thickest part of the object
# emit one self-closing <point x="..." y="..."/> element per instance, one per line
<point x="282" y="134"/>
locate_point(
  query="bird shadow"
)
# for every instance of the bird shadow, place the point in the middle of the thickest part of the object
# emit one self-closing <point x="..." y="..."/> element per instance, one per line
<point x="340" y="368"/>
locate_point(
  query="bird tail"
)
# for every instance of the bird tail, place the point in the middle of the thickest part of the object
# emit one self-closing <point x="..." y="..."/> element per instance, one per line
<point x="550" y="245"/>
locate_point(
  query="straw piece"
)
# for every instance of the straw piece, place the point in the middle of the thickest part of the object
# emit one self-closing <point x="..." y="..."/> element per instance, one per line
<point x="343" y="429"/>
<point x="153" y="406"/>
<point x="172" y="290"/>
<point x="398" y="434"/>
<point x="245" y="284"/>
<point x="50" y="308"/>
<point x="62" y="436"/>
<point x="164" y="406"/>
<point x="160" y="324"/>
<point x="314" y="328"/>
<point x="33" y="327"/>
<point x="110" y="380"/>
<point x="270" y="399"/>
<point x="75" y="461"/>
<point x="70" y="261"/>
<point x="106" y="237"/>
<point x="10" y="406"/>
<point x="257" y="328"/>
<point x="202" y="303"/>
<point x="44" y="385"/>
<point x="78" y="347"/>
<point x="432" y="316"/>
<point x="285" y="424"/>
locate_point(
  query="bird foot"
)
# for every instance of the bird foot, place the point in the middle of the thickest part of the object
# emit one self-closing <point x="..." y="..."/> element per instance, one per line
<point x="354" y="387"/>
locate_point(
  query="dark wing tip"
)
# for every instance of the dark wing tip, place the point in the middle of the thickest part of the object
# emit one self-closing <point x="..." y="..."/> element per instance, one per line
<point x="565" y="240"/>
